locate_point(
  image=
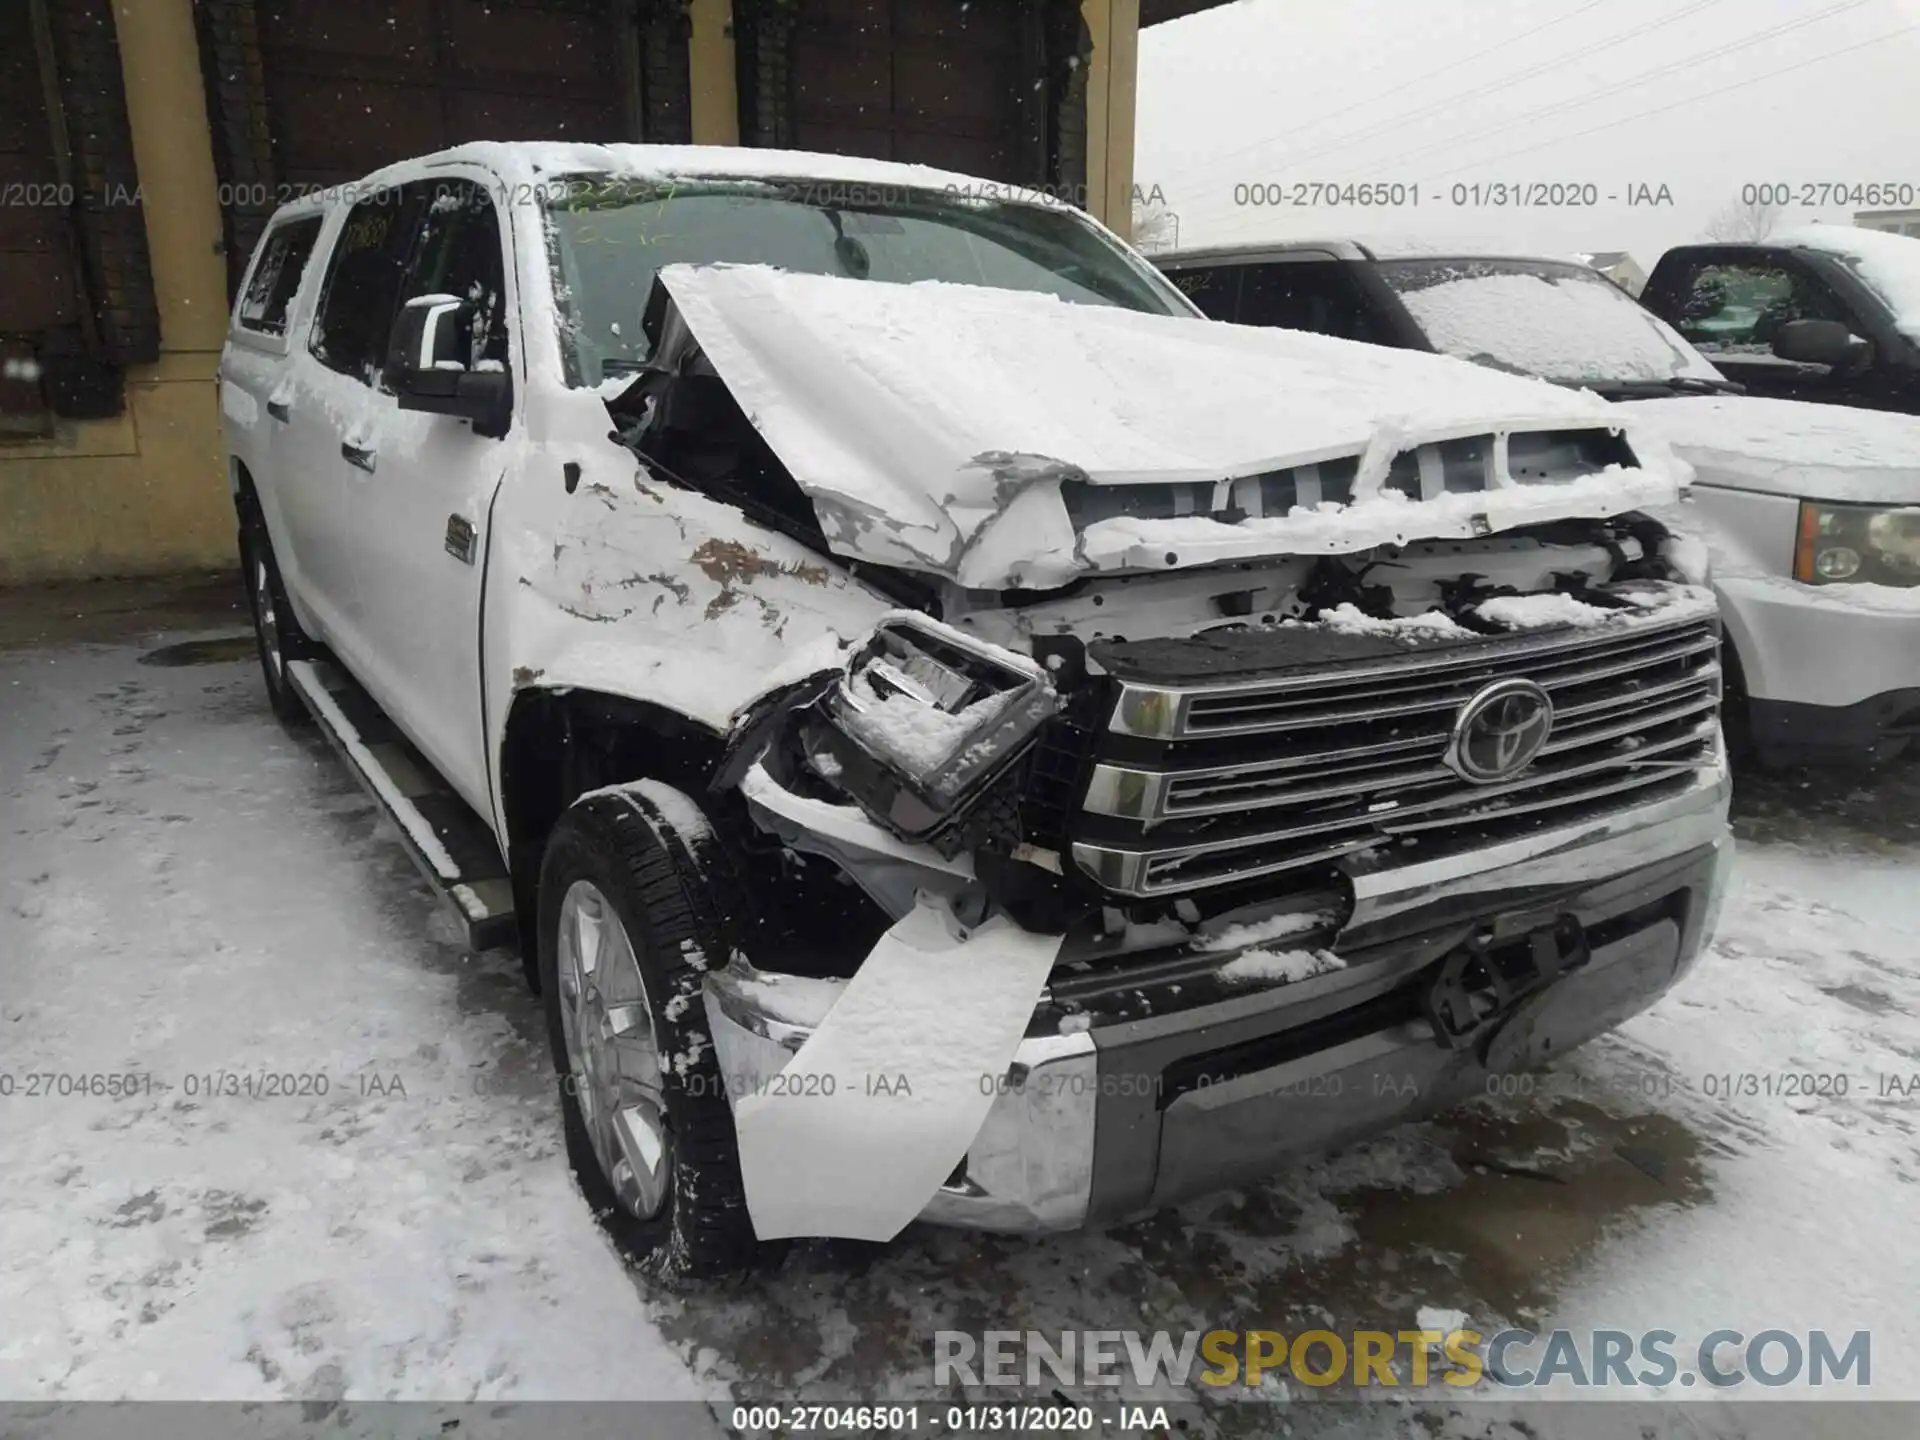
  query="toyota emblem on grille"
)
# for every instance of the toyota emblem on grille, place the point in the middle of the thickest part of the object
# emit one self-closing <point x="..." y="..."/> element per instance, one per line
<point x="1499" y="731"/>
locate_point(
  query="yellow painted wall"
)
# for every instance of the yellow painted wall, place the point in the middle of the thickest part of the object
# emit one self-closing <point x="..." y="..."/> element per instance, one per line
<point x="143" y="493"/>
<point x="1113" y="26"/>
<point x="1112" y="83"/>
<point x="716" y="104"/>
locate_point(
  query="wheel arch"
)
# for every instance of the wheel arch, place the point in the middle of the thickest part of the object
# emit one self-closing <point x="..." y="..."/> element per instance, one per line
<point x="558" y="743"/>
<point x="240" y="486"/>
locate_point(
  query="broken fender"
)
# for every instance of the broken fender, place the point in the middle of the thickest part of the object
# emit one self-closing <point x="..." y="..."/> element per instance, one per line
<point x="862" y="1126"/>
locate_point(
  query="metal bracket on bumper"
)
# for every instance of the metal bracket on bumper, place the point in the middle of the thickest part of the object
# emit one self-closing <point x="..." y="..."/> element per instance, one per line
<point x="1474" y="991"/>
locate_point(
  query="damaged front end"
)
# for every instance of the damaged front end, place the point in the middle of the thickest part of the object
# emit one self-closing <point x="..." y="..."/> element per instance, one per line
<point x="1204" y="803"/>
<point x="1180" y="870"/>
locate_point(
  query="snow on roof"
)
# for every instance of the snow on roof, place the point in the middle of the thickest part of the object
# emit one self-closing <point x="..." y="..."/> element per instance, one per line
<point x="1889" y="264"/>
<point x="531" y="162"/>
<point x="1480" y="247"/>
<point x="1452" y="247"/>
<point x="914" y="415"/>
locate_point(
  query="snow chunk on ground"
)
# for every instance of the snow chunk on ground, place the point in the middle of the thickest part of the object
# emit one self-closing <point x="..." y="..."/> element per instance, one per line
<point x="1432" y="1317"/>
<point x="1538" y="612"/>
<point x="1285" y="966"/>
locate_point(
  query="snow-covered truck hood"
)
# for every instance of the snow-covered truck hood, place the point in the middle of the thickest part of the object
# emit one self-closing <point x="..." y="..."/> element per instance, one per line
<point x="1791" y="447"/>
<point x="933" y="426"/>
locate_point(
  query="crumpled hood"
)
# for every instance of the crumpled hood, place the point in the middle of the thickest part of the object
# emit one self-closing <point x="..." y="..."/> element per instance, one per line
<point x="1791" y="447"/>
<point x="933" y="425"/>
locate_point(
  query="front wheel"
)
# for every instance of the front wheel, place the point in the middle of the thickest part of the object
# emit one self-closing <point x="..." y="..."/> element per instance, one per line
<point x="634" y="907"/>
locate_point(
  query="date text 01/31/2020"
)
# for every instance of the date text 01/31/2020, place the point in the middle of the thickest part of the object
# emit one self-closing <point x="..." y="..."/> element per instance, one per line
<point x="1019" y="1419"/>
<point x="1394" y="194"/>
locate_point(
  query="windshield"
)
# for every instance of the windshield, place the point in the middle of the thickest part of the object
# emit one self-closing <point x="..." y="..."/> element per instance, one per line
<point x="1561" y="322"/>
<point x="609" y="237"/>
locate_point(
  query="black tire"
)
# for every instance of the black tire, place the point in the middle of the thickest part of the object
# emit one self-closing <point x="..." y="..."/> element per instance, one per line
<point x="277" y="636"/>
<point x="679" y="898"/>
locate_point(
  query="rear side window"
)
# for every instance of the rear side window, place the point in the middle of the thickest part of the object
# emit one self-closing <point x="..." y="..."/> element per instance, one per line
<point x="1320" y="296"/>
<point x="363" y="284"/>
<point x="1214" y="288"/>
<point x="276" y="276"/>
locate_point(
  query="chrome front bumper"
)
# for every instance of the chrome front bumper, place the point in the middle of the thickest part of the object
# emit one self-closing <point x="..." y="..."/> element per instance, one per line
<point x="1032" y="1166"/>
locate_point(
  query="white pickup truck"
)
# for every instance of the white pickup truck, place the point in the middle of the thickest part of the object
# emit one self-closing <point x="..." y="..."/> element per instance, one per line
<point x="954" y="735"/>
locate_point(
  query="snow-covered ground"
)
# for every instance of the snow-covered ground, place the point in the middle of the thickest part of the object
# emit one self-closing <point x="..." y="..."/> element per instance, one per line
<point x="195" y="898"/>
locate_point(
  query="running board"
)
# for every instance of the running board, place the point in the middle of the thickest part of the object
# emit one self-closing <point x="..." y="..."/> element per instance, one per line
<point x="453" y="849"/>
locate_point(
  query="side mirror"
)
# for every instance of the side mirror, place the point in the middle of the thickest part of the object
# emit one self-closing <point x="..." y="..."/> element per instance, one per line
<point x="427" y="365"/>
<point x="1819" y="342"/>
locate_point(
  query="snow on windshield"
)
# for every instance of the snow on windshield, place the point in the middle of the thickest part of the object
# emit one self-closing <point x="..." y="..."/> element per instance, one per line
<point x="1552" y="320"/>
<point x="1889" y="265"/>
<point x="611" y="235"/>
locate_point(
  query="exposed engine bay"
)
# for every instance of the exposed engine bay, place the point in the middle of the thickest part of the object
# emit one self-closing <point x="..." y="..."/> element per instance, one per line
<point x="977" y="748"/>
<point x="977" y="745"/>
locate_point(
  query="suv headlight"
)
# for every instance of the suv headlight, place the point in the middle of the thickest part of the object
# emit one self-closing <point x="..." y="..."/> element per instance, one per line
<point x="1857" y="544"/>
<point x="922" y="723"/>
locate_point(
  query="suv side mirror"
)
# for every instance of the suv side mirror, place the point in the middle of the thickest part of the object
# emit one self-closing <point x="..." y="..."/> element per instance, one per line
<point x="1819" y="342"/>
<point x="427" y="370"/>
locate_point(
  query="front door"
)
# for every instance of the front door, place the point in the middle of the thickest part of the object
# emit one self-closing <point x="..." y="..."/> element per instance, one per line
<point x="1731" y="309"/>
<point x="422" y="533"/>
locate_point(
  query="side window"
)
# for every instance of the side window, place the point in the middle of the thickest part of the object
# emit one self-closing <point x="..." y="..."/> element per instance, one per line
<point x="1214" y="288"/>
<point x="363" y="284"/>
<point x="1320" y="296"/>
<point x="276" y="276"/>
<point x="1736" y="309"/>
<point x="459" y="253"/>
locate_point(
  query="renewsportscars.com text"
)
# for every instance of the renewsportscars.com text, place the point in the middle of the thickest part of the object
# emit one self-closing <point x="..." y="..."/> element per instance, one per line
<point x="1506" y="1359"/>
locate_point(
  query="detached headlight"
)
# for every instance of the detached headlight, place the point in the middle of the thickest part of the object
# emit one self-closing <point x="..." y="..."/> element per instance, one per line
<point x="923" y="722"/>
<point x="1857" y="544"/>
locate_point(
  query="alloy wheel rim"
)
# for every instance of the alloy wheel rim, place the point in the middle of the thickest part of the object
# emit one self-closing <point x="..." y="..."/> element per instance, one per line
<point x="265" y="617"/>
<point x="613" y="1051"/>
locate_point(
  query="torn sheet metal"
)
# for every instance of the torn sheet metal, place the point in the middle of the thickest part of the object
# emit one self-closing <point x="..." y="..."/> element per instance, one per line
<point x="879" y="1105"/>
<point x="922" y="419"/>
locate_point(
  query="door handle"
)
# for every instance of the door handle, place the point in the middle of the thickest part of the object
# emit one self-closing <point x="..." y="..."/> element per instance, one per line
<point x="279" y="409"/>
<point x="357" y="455"/>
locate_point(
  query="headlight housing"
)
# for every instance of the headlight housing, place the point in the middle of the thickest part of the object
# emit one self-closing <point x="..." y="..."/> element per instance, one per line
<point x="1857" y="544"/>
<point x="921" y="724"/>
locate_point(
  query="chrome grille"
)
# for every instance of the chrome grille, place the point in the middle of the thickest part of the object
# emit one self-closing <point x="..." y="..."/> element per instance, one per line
<point x="1257" y="778"/>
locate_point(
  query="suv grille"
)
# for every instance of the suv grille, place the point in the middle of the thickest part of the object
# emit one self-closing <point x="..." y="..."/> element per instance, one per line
<point x="1244" y="780"/>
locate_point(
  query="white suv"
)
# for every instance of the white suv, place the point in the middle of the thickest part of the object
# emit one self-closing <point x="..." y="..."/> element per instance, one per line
<point x="1000" y="750"/>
